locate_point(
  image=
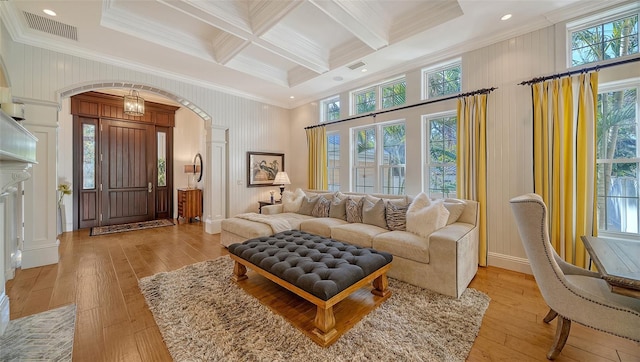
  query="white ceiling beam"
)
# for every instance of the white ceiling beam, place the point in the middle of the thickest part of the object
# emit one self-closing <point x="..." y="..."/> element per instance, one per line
<point x="366" y="20"/>
<point x="227" y="46"/>
<point x="265" y="14"/>
<point x="286" y="44"/>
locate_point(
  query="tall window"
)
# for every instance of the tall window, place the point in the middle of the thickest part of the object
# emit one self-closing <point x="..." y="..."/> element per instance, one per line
<point x="330" y="109"/>
<point x="364" y="160"/>
<point x="605" y="41"/>
<point x="393" y="159"/>
<point x="618" y="160"/>
<point x="442" y="80"/>
<point x="333" y="161"/>
<point x="380" y="169"/>
<point x="440" y="155"/>
<point x="381" y="96"/>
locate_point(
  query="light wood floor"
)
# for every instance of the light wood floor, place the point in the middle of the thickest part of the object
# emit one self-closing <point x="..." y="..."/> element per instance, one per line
<point x="100" y="274"/>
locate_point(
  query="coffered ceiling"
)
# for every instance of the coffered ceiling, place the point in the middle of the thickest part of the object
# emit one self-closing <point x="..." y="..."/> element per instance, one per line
<point x="271" y="50"/>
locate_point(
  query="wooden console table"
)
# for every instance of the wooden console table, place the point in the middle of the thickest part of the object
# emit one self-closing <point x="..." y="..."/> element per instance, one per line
<point x="189" y="204"/>
<point x="266" y="203"/>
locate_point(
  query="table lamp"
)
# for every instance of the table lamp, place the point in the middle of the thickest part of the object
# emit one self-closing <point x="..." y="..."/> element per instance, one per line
<point x="281" y="179"/>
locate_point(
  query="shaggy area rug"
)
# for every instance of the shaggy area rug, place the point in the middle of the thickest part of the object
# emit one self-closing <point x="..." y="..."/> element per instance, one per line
<point x="101" y="230"/>
<point x="46" y="336"/>
<point x="204" y="316"/>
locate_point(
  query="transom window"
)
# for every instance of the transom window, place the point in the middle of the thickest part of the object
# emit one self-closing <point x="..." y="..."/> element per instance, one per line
<point x="618" y="160"/>
<point x="603" y="41"/>
<point x="440" y="155"/>
<point x="330" y="109"/>
<point x="442" y="80"/>
<point x="379" y="159"/>
<point x="381" y="96"/>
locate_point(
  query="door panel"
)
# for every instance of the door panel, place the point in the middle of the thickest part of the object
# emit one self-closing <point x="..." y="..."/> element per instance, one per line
<point x="128" y="187"/>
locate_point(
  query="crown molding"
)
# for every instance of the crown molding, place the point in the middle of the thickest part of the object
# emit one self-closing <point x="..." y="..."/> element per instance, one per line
<point x="264" y="14"/>
<point x="259" y="69"/>
<point x="138" y="27"/>
<point x="429" y="15"/>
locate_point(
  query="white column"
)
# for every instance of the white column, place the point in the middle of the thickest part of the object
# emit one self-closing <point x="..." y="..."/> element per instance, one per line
<point x="40" y="245"/>
<point x="215" y="185"/>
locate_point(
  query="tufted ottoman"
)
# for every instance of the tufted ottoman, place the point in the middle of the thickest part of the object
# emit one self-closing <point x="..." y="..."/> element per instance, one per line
<point x="321" y="270"/>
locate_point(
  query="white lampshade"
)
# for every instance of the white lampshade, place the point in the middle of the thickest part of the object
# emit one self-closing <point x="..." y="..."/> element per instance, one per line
<point x="281" y="179"/>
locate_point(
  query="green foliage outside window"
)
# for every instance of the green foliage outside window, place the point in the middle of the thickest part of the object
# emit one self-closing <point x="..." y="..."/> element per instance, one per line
<point x="365" y="101"/>
<point x="394" y="94"/>
<point x="605" y="41"/>
<point x="444" y="81"/>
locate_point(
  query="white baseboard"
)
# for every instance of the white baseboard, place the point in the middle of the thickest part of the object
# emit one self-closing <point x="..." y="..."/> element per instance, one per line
<point x="509" y="262"/>
<point x="4" y="312"/>
<point x="213" y="226"/>
<point x="45" y="255"/>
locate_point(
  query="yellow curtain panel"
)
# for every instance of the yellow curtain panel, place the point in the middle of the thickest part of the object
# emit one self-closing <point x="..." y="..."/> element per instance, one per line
<point x="472" y="161"/>
<point x="317" y="144"/>
<point x="564" y="159"/>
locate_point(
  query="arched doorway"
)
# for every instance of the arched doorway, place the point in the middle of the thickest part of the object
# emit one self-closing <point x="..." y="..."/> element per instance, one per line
<point x="214" y="156"/>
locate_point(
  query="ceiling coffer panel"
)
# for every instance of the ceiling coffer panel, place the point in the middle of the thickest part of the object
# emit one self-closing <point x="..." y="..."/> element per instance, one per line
<point x="49" y="26"/>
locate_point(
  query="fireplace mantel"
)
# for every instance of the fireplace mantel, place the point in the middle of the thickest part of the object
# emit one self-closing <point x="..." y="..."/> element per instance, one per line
<point x="17" y="154"/>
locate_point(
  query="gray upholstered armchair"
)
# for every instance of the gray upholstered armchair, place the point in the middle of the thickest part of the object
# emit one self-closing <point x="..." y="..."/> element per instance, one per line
<point x="572" y="293"/>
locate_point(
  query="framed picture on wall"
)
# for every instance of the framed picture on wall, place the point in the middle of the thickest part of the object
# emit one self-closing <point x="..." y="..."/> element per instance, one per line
<point x="263" y="167"/>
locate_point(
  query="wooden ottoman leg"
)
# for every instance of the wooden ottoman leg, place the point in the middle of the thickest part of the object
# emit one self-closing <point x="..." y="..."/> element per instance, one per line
<point x="381" y="286"/>
<point x="325" y="323"/>
<point x="239" y="272"/>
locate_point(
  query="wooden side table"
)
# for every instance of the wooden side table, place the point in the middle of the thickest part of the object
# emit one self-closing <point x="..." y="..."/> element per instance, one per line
<point x="189" y="204"/>
<point x="266" y="203"/>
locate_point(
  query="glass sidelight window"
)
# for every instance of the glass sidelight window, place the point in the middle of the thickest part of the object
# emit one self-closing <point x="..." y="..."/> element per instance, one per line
<point x="88" y="156"/>
<point x="162" y="158"/>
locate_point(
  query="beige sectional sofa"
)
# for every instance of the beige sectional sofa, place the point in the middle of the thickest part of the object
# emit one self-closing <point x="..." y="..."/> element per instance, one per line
<point x="444" y="261"/>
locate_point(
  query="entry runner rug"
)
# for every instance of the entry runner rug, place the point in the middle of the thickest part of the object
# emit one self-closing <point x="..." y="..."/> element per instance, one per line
<point x="101" y="230"/>
<point x="204" y="316"/>
<point x="46" y="336"/>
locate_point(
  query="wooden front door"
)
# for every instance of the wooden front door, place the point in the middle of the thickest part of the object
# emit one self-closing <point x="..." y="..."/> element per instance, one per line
<point x="128" y="159"/>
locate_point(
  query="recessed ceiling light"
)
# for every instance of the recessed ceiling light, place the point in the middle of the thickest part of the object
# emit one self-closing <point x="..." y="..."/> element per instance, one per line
<point x="49" y="12"/>
<point x="506" y="17"/>
<point x="292" y="97"/>
<point x="364" y="70"/>
<point x="338" y="79"/>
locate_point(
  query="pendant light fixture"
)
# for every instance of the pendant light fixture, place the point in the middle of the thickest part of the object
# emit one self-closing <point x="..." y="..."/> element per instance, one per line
<point x="134" y="104"/>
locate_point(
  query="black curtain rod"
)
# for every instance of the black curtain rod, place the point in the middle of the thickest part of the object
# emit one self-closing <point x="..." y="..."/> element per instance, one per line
<point x="374" y="114"/>
<point x="583" y="70"/>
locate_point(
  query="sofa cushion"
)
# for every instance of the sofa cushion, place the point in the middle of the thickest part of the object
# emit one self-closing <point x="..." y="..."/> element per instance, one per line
<point x="321" y="226"/>
<point x="338" y="209"/>
<point x="354" y="209"/>
<point x="356" y="233"/>
<point x="403" y="244"/>
<point x="293" y="218"/>
<point x="322" y="208"/>
<point x="425" y="216"/>
<point x="396" y="216"/>
<point x="373" y="212"/>
<point x="455" y="207"/>
<point x="291" y="201"/>
<point x="308" y="203"/>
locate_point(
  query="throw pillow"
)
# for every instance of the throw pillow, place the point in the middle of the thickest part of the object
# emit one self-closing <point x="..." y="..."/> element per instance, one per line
<point x="455" y="207"/>
<point x="322" y="208"/>
<point x="291" y="201"/>
<point x="425" y="216"/>
<point x="396" y="216"/>
<point x="373" y="212"/>
<point x="354" y="210"/>
<point x="338" y="209"/>
<point x="308" y="204"/>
